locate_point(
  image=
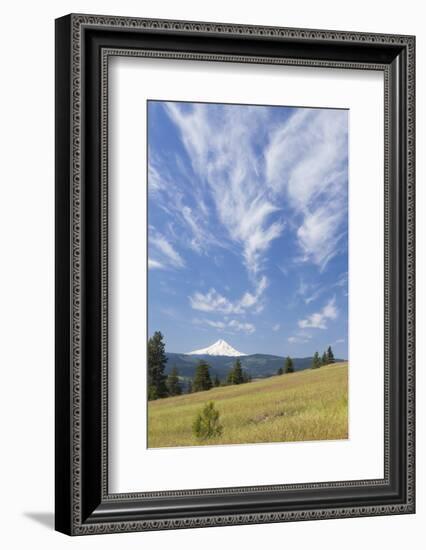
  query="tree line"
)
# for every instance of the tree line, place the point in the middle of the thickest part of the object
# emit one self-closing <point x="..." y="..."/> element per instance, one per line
<point x="160" y="385"/>
<point x="327" y="358"/>
<point x="288" y="367"/>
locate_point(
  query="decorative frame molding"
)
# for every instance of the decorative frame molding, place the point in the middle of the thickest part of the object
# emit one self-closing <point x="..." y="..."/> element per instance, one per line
<point x="84" y="44"/>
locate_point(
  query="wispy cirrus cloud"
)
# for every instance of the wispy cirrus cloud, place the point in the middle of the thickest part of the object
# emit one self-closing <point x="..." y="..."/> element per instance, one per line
<point x="188" y="211"/>
<point x="303" y="288"/>
<point x="306" y="160"/>
<point x="236" y="325"/>
<point x="230" y="326"/>
<point x="318" y="235"/>
<point x="156" y="181"/>
<point x="219" y="325"/>
<point x="162" y="255"/>
<point x="221" y="142"/>
<point x="314" y="296"/>
<point x="213" y="301"/>
<point x="320" y="318"/>
<point x="311" y="291"/>
<point x="299" y="338"/>
<point x="342" y="280"/>
<point x="155" y="264"/>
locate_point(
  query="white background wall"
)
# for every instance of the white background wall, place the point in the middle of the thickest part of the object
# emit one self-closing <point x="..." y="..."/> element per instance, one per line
<point x="27" y="262"/>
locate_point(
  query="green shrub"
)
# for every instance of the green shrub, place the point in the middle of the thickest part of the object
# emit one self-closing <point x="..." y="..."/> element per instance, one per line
<point x="207" y="424"/>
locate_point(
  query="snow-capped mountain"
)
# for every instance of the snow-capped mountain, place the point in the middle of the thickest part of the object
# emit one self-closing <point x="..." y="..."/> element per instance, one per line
<point x="218" y="348"/>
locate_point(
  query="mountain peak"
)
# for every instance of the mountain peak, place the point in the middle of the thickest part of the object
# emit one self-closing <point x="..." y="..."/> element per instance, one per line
<point x="221" y="347"/>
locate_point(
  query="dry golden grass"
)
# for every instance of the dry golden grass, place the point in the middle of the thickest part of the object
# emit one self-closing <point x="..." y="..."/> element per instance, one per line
<point x="302" y="406"/>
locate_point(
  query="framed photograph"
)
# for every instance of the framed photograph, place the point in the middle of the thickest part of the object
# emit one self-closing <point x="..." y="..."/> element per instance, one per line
<point x="234" y="274"/>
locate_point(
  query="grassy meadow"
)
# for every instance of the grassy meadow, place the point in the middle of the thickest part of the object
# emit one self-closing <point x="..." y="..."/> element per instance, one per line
<point x="302" y="406"/>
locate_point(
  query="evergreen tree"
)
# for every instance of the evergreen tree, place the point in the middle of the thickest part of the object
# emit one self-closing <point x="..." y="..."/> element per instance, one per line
<point x="216" y="381"/>
<point x="316" y="361"/>
<point x="289" y="365"/>
<point x="238" y="372"/>
<point x="235" y="375"/>
<point x="173" y="384"/>
<point x="202" y="380"/>
<point x="189" y="387"/>
<point x="324" y="359"/>
<point x="280" y="371"/>
<point x="156" y="364"/>
<point x="246" y="377"/>
<point x="330" y="355"/>
<point x="207" y="424"/>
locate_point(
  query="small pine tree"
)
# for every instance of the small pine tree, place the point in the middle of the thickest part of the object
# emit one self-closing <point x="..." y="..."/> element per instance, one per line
<point x="207" y="424"/>
<point x="173" y="384"/>
<point x="202" y="380"/>
<point x="289" y="365"/>
<point x="189" y="387"/>
<point x="280" y="371"/>
<point x="324" y="359"/>
<point x="216" y="381"/>
<point x="316" y="361"/>
<point x="330" y="355"/>
<point x="157" y="360"/>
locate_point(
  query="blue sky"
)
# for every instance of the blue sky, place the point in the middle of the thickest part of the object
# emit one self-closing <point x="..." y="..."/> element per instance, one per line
<point x="248" y="227"/>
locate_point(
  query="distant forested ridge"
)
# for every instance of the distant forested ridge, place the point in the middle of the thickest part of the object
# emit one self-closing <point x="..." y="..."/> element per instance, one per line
<point x="256" y="365"/>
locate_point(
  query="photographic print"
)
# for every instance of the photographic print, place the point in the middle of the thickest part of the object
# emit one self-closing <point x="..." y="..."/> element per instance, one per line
<point x="247" y="274"/>
<point x="223" y="287"/>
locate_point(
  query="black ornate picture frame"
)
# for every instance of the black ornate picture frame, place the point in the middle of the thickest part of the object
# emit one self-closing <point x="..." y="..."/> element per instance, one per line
<point x="84" y="43"/>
